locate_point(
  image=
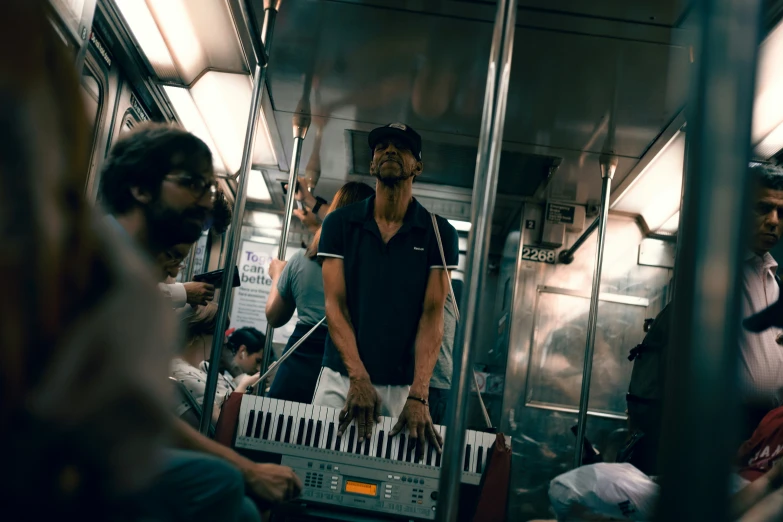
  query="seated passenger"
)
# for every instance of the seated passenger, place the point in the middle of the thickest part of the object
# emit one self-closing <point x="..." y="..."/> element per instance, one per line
<point x="82" y="325"/>
<point x="192" y="293"/>
<point x="242" y="357"/>
<point x="385" y="290"/>
<point x="191" y="366"/>
<point x="298" y="285"/>
<point x="158" y="183"/>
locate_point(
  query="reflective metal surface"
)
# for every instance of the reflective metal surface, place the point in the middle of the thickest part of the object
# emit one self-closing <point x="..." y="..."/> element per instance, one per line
<point x="485" y="186"/>
<point x="547" y="334"/>
<point x="300" y="131"/>
<point x="608" y="166"/>
<point x="233" y="240"/>
<point x="432" y="77"/>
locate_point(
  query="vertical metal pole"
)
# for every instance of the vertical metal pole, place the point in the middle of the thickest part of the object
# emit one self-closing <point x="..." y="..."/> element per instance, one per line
<point x="482" y="206"/>
<point x="701" y="387"/>
<point x="300" y="131"/>
<point x="235" y="232"/>
<point x="608" y="166"/>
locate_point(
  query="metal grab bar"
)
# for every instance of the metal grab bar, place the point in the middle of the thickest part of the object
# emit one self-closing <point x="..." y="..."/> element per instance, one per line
<point x="235" y="233"/>
<point x="567" y="256"/>
<point x="608" y="166"/>
<point x="482" y="205"/>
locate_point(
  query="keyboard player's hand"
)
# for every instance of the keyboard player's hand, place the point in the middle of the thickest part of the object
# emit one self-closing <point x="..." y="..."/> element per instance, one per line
<point x="416" y="416"/>
<point x="363" y="404"/>
<point x="272" y="482"/>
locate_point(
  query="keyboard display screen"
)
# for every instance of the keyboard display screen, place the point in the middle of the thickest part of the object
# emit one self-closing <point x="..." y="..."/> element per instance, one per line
<point x="361" y="488"/>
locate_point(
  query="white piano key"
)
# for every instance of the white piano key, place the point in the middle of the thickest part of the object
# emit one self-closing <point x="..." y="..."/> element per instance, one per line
<point x="308" y="416"/>
<point x="471" y="437"/>
<point x="318" y="416"/>
<point x="288" y="413"/>
<point x="244" y="410"/>
<point x="384" y="426"/>
<point x="295" y="415"/>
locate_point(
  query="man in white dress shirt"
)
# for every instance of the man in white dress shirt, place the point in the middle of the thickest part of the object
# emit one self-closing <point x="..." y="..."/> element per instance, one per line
<point x="761" y="354"/>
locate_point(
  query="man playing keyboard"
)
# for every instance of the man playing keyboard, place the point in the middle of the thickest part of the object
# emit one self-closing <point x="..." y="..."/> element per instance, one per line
<point x="385" y="288"/>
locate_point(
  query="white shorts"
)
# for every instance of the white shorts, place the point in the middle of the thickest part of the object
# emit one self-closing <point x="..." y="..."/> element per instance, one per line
<point x="332" y="390"/>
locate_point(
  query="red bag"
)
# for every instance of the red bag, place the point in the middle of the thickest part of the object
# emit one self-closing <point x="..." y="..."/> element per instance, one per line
<point x="493" y="496"/>
<point x="226" y="427"/>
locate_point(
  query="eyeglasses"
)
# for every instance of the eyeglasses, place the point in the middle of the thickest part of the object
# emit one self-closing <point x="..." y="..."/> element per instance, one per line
<point x="197" y="185"/>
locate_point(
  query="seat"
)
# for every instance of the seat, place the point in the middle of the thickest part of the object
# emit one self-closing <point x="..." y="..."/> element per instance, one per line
<point x="193" y="415"/>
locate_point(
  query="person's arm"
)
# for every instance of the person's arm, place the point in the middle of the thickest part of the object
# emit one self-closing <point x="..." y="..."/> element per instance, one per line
<point x="175" y="292"/>
<point x="362" y="402"/>
<point x="279" y="307"/>
<point x="429" y="336"/>
<point x="271" y="482"/>
<point x="743" y="500"/>
<point x="309" y="219"/>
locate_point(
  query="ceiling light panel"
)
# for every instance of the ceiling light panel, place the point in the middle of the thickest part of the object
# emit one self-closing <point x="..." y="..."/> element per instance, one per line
<point x="200" y="35"/>
<point x="655" y="194"/>
<point x="257" y="189"/>
<point x="223" y="99"/>
<point x="188" y="114"/>
<point x="768" y="103"/>
<point x="142" y="24"/>
<point x="176" y="27"/>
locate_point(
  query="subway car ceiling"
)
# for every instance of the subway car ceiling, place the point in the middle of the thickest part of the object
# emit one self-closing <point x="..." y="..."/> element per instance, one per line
<point x="587" y="78"/>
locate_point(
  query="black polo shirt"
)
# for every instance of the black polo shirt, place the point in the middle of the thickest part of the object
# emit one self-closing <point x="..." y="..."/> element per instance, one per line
<point x="385" y="284"/>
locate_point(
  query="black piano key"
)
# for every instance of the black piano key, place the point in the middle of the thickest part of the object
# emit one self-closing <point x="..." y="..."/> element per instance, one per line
<point x="309" y="435"/>
<point x="466" y="464"/>
<point x="329" y="435"/>
<point x="351" y="436"/>
<point x="337" y="442"/>
<point x="388" y="449"/>
<point x="430" y="453"/>
<point x="288" y="426"/>
<point x="249" y="429"/>
<point x="437" y="460"/>
<point x="279" y="430"/>
<point x="359" y="443"/>
<point x="259" y="422"/>
<point x="401" y="450"/>
<point x="367" y="444"/>
<point x="380" y="444"/>
<point x="267" y="423"/>
<point x="411" y="447"/>
<point x="317" y="437"/>
<point x="479" y="459"/>
<point x="300" y="432"/>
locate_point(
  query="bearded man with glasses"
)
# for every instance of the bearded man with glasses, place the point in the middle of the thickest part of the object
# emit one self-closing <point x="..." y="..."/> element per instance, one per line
<point x="158" y="185"/>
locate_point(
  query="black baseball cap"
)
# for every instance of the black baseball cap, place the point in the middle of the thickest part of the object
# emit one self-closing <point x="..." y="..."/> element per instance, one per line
<point x="400" y="131"/>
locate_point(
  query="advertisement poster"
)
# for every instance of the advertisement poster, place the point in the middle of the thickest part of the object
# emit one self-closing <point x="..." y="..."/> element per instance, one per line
<point x="249" y="302"/>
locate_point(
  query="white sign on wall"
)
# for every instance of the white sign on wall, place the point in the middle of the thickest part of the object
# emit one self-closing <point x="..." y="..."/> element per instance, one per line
<point x="248" y="306"/>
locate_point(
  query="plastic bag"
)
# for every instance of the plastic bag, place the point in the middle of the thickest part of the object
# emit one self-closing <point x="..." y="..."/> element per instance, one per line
<point x="603" y="492"/>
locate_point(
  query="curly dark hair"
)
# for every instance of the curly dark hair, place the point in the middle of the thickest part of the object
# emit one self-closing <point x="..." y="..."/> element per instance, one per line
<point x="143" y="158"/>
<point x="221" y="214"/>
<point x="767" y="176"/>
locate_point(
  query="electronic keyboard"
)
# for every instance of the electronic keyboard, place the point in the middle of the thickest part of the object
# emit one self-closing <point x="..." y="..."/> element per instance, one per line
<point x="380" y="474"/>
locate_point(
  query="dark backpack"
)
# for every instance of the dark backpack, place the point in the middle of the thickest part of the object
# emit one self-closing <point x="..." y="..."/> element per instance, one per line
<point x="645" y="395"/>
